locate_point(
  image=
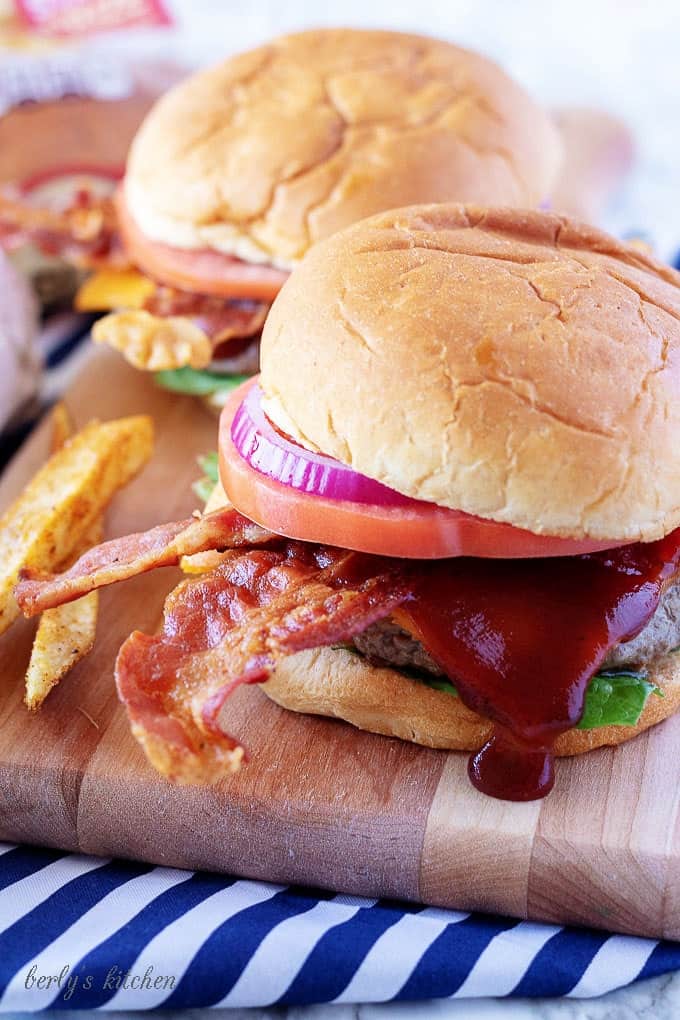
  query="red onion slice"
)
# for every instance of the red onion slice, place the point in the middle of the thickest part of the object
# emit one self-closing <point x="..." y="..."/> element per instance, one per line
<point x="270" y="453"/>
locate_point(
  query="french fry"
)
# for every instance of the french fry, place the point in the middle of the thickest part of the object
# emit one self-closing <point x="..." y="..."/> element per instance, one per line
<point x="48" y="522"/>
<point x="64" y="636"/>
<point x="67" y="633"/>
<point x="62" y="426"/>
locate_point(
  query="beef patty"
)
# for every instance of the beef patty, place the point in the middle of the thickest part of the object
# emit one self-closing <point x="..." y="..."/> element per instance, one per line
<point x="387" y="643"/>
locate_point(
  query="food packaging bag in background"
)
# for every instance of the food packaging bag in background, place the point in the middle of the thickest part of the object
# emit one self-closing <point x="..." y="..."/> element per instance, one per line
<point x="77" y="17"/>
<point x="69" y="106"/>
<point x="66" y="122"/>
<point x="71" y="100"/>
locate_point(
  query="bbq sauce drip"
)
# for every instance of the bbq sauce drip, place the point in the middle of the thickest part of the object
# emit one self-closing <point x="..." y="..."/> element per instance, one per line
<point x="522" y="638"/>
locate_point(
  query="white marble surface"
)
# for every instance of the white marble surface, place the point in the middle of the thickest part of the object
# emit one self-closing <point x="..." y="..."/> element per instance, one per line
<point x="657" y="999"/>
<point x="618" y="54"/>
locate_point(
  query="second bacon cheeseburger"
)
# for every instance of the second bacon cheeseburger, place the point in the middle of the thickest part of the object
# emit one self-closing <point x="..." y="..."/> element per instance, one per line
<point x="461" y="458"/>
<point x="238" y="170"/>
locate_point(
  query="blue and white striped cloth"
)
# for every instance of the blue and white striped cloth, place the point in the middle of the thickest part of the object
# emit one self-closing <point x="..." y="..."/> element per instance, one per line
<point x="82" y="933"/>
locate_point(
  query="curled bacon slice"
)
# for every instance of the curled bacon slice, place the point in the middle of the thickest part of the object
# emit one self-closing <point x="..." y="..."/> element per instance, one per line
<point x="231" y="627"/>
<point x="85" y="232"/>
<point x="172" y="330"/>
<point x="218" y="317"/>
<point x="231" y="321"/>
<point x="126" y="557"/>
<point x="96" y="232"/>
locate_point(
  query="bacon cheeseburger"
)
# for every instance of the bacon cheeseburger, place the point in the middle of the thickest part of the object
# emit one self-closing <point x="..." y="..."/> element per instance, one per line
<point x="239" y="169"/>
<point x="466" y="428"/>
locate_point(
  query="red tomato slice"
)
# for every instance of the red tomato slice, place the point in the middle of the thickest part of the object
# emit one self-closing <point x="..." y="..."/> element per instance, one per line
<point x="201" y="270"/>
<point x="423" y="531"/>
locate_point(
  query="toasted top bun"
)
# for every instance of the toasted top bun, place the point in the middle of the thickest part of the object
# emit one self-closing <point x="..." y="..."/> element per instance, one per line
<point x="283" y="145"/>
<point x="516" y="365"/>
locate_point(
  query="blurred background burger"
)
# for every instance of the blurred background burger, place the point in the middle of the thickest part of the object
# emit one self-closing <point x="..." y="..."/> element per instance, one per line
<point x="237" y="171"/>
<point x="595" y="145"/>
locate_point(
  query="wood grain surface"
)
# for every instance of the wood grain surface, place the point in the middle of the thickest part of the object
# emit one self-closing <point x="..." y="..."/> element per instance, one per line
<point x="319" y="802"/>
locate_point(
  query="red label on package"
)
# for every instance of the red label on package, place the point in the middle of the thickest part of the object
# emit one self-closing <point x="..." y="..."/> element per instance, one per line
<point x="81" y="17"/>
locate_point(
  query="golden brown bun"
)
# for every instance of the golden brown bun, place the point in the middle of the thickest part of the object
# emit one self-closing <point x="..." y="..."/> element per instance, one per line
<point x="516" y="365"/>
<point x="283" y="145"/>
<point x="341" y="684"/>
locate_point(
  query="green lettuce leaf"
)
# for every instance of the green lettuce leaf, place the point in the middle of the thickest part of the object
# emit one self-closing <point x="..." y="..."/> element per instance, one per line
<point x="197" y="382"/>
<point x="208" y="464"/>
<point x="612" y="698"/>
<point x="616" y="699"/>
<point x="203" y="489"/>
<point x="440" y="683"/>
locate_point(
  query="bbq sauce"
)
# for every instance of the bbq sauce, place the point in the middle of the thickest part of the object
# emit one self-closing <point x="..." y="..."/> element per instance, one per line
<point x="522" y="638"/>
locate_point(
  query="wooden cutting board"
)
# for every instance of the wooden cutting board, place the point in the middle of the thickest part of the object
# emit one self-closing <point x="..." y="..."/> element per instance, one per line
<point x="319" y="803"/>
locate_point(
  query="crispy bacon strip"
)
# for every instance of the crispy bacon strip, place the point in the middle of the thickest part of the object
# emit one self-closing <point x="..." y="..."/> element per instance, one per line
<point x="231" y="627"/>
<point x="86" y="232"/>
<point x="220" y="318"/>
<point x="126" y="557"/>
<point x="169" y="334"/>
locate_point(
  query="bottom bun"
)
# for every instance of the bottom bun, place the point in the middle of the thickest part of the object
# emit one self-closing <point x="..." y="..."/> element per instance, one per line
<point x="341" y="684"/>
